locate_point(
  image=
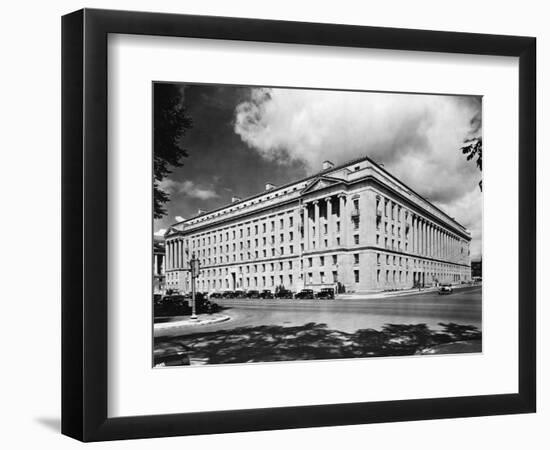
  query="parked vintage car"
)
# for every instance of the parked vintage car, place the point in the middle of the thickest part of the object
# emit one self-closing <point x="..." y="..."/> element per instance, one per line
<point x="239" y="294"/>
<point x="253" y="294"/>
<point x="445" y="289"/>
<point x="305" y="294"/>
<point x="266" y="293"/>
<point x="215" y="295"/>
<point x="228" y="294"/>
<point x="326" y="293"/>
<point x="284" y="293"/>
<point x="171" y="305"/>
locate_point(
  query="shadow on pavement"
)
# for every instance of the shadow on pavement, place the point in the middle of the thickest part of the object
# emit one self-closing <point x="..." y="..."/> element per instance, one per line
<point x="310" y="341"/>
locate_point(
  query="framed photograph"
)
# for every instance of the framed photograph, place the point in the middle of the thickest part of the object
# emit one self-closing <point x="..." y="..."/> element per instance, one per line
<point x="273" y="225"/>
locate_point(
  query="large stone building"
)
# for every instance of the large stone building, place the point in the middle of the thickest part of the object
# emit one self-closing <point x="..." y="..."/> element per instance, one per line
<point x="159" y="256"/>
<point x="354" y="226"/>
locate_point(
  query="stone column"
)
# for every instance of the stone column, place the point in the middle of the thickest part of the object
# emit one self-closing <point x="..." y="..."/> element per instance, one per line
<point x="428" y="239"/>
<point x="171" y="254"/>
<point x="329" y="221"/>
<point x="413" y="232"/>
<point x="417" y="235"/>
<point x="422" y="238"/>
<point x="317" y="224"/>
<point x="306" y="227"/>
<point x="432" y="239"/>
<point x="343" y="222"/>
<point x="167" y="255"/>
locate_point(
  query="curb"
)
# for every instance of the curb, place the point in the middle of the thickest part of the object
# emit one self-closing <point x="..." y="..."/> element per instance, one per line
<point x="189" y="323"/>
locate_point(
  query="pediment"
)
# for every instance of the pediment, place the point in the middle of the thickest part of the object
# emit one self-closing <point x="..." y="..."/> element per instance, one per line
<point x="321" y="183"/>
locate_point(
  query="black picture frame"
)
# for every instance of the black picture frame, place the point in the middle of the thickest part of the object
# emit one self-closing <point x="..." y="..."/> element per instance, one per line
<point x="84" y="224"/>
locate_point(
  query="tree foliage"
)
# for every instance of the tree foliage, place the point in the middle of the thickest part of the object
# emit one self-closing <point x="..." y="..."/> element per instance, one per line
<point x="473" y="148"/>
<point x="170" y="123"/>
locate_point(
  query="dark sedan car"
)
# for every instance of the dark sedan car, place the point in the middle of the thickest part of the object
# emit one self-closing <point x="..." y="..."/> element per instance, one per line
<point x="284" y="293"/>
<point x="228" y="294"/>
<point x="239" y="294"/>
<point x="266" y="293"/>
<point x="253" y="294"/>
<point x="326" y="293"/>
<point x="445" y="289"/>
<point x="172" y="305"/>
<point x="305" y="294"/>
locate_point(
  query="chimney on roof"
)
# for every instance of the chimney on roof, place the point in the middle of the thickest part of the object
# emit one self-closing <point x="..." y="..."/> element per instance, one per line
<point x="235" y="199"/>
<point x="327" y="165"/>
<point x="269" y="186"/>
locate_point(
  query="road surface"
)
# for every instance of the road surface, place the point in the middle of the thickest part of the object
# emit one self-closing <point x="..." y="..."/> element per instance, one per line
<point x="462" y="307"/>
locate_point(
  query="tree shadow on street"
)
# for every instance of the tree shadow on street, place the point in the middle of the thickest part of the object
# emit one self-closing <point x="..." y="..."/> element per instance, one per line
<point x="309" y="341"/>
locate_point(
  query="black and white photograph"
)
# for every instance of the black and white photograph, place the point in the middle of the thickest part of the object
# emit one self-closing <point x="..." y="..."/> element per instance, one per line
<point x="306" y="224"/>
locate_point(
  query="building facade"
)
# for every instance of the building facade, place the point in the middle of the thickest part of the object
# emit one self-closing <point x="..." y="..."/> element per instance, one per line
<point x="159" y="256"/>
<point x="354" y="226"/>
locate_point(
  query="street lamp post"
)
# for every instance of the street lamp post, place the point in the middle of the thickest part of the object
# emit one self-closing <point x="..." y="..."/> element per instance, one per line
<point x="194" y="265"/>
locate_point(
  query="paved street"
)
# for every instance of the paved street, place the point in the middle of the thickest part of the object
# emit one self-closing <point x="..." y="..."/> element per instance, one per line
<point x="462" y="307"/>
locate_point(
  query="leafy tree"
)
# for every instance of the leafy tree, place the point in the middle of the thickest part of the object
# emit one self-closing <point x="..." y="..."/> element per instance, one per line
<point x="472" y="148"/>
<point x="170" y="123"/>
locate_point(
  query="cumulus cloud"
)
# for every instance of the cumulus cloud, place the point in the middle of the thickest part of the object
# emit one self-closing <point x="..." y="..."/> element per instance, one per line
<point x="188" y="188"/>
<point x="160" y="232"/>
<point x="416" y="137"/>
<point x="179" y="219"/>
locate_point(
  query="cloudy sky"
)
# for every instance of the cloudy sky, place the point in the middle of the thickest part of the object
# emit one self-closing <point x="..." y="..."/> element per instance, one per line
<point x="243" y="137"/>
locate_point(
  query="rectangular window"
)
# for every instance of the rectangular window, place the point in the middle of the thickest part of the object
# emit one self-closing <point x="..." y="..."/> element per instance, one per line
<point x="378" y="276"/>
<point x="337" y="241"/>
<point x="290" y="280"/>
<point x="378" y="258"/>
<point x="291" y="249"/>
<point x="334" y="259"/>
<point x="356" y="258"/>
<point x="291" y="236"/>
<point x="310" y="262"/>
<point x="282" y="250"/>
<point x="291" y="221"/>
<point x="310" y="277"/>
<point x="356" y="275"/>
<point x="321" y="260"/>
<point x="334" y="276"/>
<point x="322" y="275"/>
<point x="356" y="239"/>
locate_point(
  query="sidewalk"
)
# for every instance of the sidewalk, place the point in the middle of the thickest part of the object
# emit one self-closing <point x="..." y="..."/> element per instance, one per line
<point x="358" y="296"/>
<point x="185" y="322"/>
